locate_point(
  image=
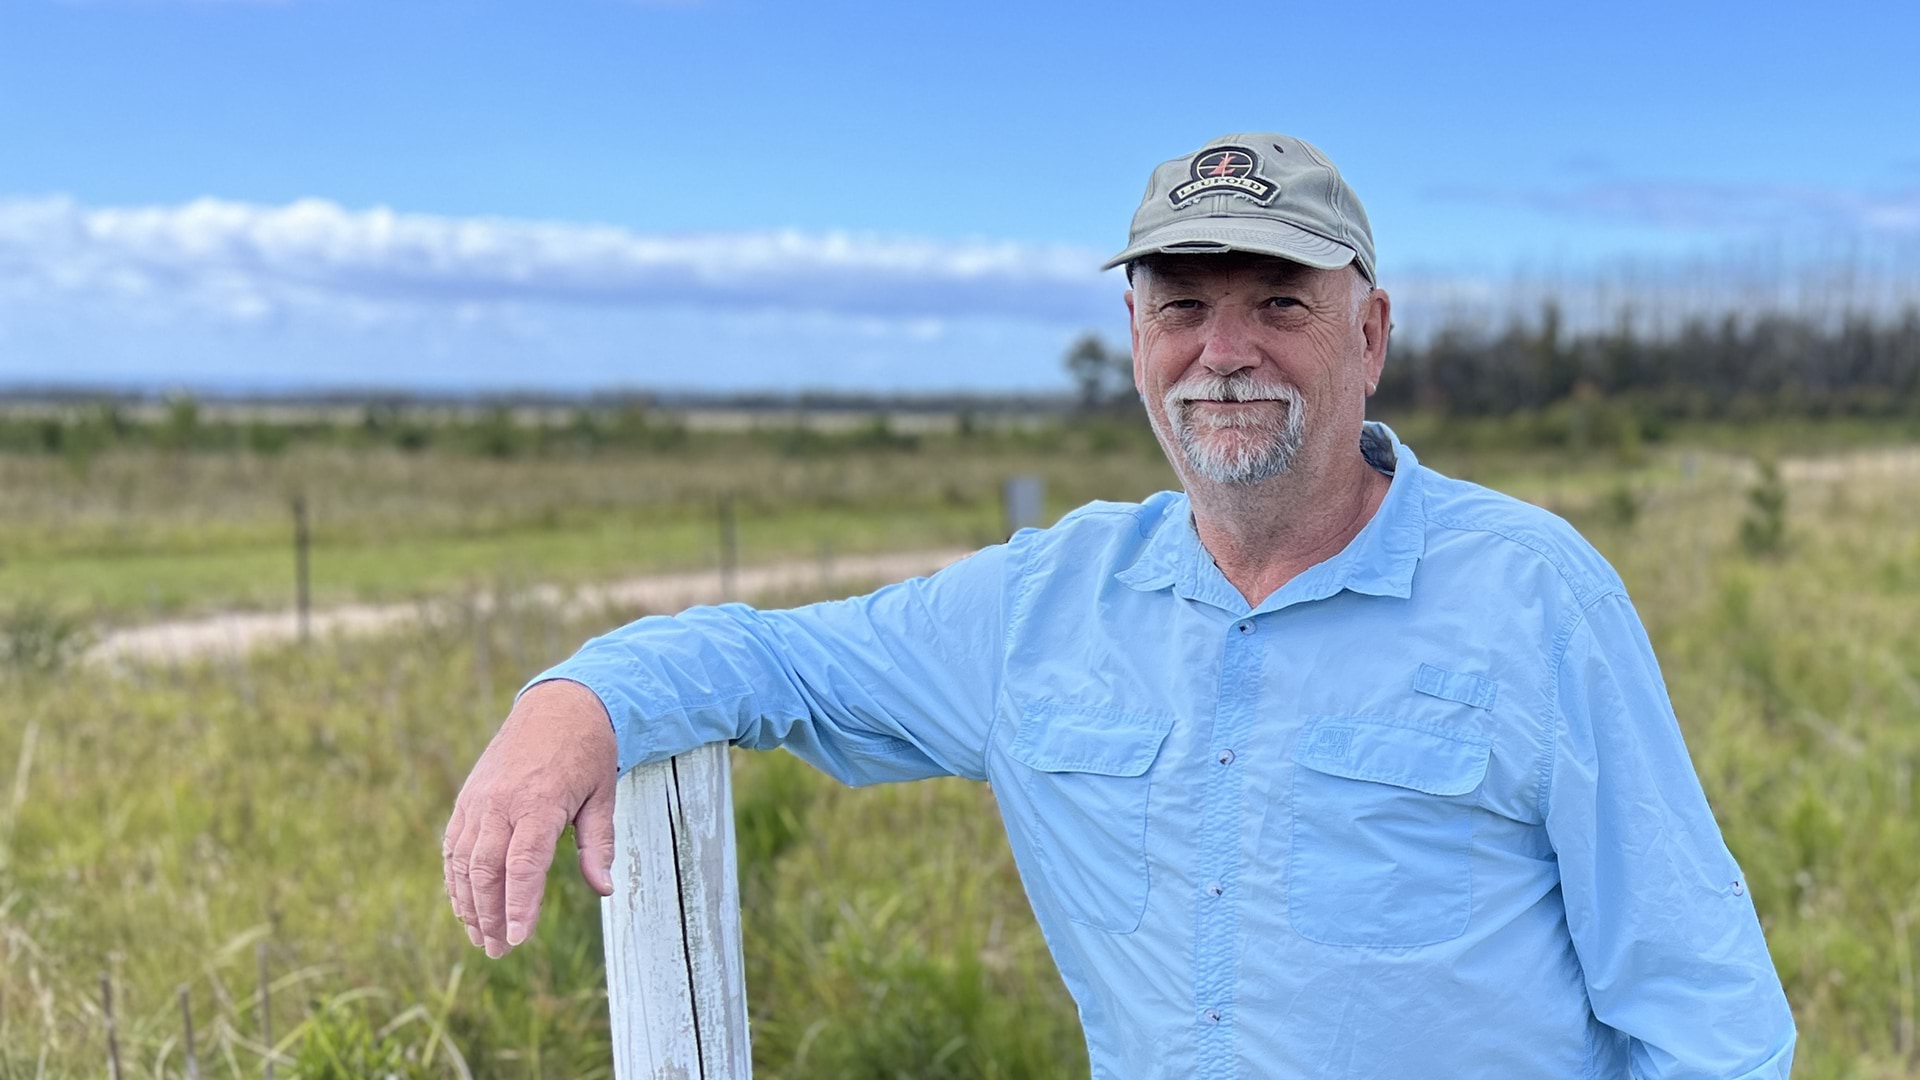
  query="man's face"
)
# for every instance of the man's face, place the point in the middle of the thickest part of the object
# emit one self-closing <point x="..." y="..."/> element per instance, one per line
<point x="1249" y="364"/>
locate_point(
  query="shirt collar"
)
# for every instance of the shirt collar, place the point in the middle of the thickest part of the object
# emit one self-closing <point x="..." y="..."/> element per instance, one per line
<point x="1380" y="560"/>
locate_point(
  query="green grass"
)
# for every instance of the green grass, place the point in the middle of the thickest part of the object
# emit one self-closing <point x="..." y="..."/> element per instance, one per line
<point x="169" y="821"/>
<point x="245" y="576"/>
<point x="140" y="535"/>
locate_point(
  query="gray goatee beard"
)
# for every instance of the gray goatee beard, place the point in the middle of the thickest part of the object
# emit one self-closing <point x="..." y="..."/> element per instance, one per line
<point x="1265" y="446"/>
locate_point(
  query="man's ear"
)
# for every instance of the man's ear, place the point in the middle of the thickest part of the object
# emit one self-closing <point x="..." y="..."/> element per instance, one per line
<point x="1133" y="337"/>
<point x="1377" y="324"/>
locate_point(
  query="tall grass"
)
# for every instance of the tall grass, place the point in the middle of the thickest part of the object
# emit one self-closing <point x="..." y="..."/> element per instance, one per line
<point x="159" y="825"/>
<point x="169" y="821"/>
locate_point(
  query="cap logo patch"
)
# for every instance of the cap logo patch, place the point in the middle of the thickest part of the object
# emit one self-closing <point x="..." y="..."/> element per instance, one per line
<point x="1224" y="168"/>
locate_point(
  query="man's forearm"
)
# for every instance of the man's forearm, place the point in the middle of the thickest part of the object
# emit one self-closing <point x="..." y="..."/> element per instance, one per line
<point x="898" y="684"/>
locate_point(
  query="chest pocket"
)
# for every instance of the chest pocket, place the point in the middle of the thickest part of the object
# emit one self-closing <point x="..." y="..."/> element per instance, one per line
<point x="1087" y="777"/>
<point x="1382" y="831"/>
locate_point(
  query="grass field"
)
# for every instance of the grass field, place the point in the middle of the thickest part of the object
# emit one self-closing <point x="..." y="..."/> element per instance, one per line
<point x="139" y="535"/>
<point x="161" y="826"/>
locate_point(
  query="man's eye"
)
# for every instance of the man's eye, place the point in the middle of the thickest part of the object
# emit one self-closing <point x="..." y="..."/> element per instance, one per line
<point x="1184" y="304"/>
<point x="1283" y="301"/>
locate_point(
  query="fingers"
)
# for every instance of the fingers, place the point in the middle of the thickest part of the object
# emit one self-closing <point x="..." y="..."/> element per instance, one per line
<point x="593" y="832"/>
<point x="529" y="854"/>
<point x="487" y="875"/>
<point x="458" y="865"/>
<point x="448" y="842"/>
<point x="529" y="782"/>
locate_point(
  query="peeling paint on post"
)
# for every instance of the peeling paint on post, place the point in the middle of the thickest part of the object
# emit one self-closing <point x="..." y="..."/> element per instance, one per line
<point x="676" y="975"/>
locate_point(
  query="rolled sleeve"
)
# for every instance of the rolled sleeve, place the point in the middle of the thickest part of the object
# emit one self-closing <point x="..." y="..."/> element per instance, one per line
<point x="898" y="684"/>
<point x="1659" y="911"/>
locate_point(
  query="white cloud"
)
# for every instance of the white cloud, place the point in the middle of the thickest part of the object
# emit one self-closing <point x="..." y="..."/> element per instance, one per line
<point x="316" y="293"/>
<point x="250" y="261"/>
<point x="313" y="293"/>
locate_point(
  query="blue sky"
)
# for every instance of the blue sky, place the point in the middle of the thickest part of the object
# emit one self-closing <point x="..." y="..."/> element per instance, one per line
<point x="727" y="194"/>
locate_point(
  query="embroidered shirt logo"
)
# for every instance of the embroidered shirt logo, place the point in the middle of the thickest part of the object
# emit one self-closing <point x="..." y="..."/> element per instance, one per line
<point x="1331" y="742"/>
<point x="1232" y="169"/>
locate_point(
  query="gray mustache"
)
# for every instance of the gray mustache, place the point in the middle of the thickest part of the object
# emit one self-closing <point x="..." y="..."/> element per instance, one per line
<point x="1228" y="390"/>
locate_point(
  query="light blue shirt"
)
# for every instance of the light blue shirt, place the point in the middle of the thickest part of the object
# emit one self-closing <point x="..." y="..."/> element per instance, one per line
<point x="1423" y="812"/>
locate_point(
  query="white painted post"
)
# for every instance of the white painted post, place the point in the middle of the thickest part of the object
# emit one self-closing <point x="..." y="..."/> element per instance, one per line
<point x="676" y="975"/>
<point x="1024" y="500"/>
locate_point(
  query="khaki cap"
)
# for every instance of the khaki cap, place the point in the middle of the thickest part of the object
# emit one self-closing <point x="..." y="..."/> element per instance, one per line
<point x="1265" y="193"/>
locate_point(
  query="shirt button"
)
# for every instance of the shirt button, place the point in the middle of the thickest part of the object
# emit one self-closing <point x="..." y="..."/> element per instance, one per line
<point x="1739" y="888"/>
<point x="1213" y="1016"/>
<point x="1247" y="627"/>
<point x="1226" y="757"/>
<point x="1215" y="889"/>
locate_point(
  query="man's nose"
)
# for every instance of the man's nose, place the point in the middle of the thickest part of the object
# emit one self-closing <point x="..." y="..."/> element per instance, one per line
<point x="1230" y="345"/>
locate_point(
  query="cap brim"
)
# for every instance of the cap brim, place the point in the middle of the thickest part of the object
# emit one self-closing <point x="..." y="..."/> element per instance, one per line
<point x="1213" y="236"/>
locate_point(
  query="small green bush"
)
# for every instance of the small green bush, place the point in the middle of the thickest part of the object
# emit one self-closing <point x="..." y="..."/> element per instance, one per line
<point x="1763" y="532"/>
<point x="37" y="637"/>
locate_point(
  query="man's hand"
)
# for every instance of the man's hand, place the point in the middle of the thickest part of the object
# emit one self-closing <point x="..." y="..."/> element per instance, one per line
<point x="553" y="761"/>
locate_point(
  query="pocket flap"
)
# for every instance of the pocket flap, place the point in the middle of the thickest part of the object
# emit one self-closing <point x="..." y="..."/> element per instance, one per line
<point x="1460" y="686"/>
<point x="1088" y="738"/>
<point x="1387" y="752"/>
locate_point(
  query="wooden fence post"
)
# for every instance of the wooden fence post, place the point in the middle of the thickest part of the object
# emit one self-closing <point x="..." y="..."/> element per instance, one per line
<point x="266" y="1005"/>
<point x="113" y="1036"/>
<point x="186" y="1018"/>
<point x="302" y="589"/>
<point x="1023" y="502"/>
<point x="729" y="548"/>
<point x="676" y="975"/>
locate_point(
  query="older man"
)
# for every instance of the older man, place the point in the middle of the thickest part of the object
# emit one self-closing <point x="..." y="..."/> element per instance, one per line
<point x="1329" y="766"/>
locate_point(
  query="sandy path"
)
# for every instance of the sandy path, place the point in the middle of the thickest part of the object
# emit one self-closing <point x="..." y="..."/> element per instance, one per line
<point x="215" y="635"/>
<point x="237" y="632"/>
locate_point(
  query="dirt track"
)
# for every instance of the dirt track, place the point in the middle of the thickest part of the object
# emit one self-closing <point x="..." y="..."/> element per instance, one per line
<point x="185" y="639"/>
<point x="234" y="632"/>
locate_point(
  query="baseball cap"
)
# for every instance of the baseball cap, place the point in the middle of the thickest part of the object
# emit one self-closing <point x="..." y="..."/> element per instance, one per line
<point x="1265" y="193"/>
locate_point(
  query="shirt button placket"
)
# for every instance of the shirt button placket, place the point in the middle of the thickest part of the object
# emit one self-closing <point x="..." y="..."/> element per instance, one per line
<point x="1216" y="921"/>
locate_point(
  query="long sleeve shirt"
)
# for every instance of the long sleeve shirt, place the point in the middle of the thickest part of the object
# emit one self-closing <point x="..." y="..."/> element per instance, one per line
<point x="1423" y="812"/>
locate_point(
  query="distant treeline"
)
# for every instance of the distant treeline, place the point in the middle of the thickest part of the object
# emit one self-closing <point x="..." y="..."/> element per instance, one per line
<point x="1533" y="379"/>
<point x="79" y="430"/>
<point x="1724" y="368"/>
<point x="1728" y="367"/>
